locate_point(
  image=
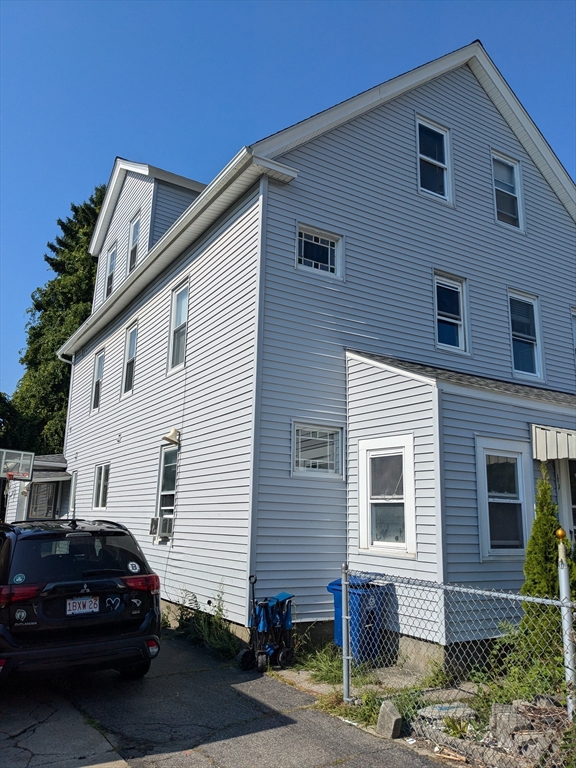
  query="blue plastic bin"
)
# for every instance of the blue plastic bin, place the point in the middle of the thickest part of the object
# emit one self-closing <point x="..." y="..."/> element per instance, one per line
<point x="367" y="606"/>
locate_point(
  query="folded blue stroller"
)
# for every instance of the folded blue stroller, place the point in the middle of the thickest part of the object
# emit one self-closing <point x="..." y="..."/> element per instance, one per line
<point x="270" y="626"/>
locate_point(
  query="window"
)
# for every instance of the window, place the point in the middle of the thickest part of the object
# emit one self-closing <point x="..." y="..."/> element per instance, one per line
<point x="42" y="500"/>
<point x="319" y="250"/>
<point x="101" y="486"/>
<point x="317" y="449"/>
<point x="574" y="329"/>
<point x="178" y="324"/>
<point x="386" y="495"/>
<point x="97" y="383"/>
<point x="110" y="271"/>
<point x="505" y="175"/>
<point x="133" y="248"/>
<point x="523" y="324"/>
<point x="129" y="359"/>
<point x="505" y="495"/>
<point x="73" y="486"/>
<point x="450" y="328"/>
<point x="167" y="492"/>
<point x="433" y="176"/>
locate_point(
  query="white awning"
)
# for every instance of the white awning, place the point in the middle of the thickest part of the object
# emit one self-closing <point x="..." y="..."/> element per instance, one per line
<point x="552" y="443"/>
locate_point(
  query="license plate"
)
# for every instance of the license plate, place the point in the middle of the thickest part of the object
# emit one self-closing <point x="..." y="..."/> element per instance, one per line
<point x="76" y="605"/>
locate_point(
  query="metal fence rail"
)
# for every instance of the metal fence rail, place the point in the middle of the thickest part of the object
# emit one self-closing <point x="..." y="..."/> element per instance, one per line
<point x="486" y="674"/>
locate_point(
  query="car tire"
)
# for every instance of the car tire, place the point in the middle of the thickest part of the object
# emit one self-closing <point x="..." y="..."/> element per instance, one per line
<point x="135" y="671"/>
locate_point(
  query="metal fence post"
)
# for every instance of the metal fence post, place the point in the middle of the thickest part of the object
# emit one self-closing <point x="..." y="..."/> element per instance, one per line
<point x="567" y="629"/>
<point x="346" y="658"/>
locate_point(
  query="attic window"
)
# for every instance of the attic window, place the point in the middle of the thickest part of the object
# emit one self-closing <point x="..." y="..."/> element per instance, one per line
<point x="433" y="160"/>
<point x="134" y="236"/>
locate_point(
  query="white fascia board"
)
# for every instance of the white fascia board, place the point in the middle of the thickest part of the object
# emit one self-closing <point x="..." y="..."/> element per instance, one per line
<point x="392" y="369"/>
<point x="505" y="398"/>
<point x="237" y="177"/>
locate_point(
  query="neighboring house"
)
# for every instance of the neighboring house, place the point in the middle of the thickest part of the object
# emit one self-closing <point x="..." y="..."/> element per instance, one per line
<point x="46" y="495"/>
<point x="358" y="339"/>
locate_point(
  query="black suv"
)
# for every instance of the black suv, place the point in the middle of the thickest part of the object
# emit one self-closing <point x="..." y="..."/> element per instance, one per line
<point x="76" y="594"/>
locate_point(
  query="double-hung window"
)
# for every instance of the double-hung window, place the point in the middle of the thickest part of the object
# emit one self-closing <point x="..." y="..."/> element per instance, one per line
<point x="506" y="190"/>
<point x="178" y="326"/>
<point x="317" y="450"/>
<point x="133" y="248"/>
<point x="433" y="160"/>
<point x="450" y="318"/>
<point x="318" y="250"/>
<point x="386" y="501"/>
<point x="97" y="381"/>
<point x="111" y="266"/>
<point x="130" y="359"/>
<point x="524" y="330"/>
<point x="101" y="477"/>
<point x="163" y="527"/>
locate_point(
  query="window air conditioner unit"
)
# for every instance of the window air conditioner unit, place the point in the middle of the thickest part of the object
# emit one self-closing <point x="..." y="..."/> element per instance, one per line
<point x="166" y="526"/>
<point x="154" y="526"/>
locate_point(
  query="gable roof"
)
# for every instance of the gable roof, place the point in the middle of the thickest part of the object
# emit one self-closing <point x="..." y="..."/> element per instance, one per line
<point x="486" y="72"/>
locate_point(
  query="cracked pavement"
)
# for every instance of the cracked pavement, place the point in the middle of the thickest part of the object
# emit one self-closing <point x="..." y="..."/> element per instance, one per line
<point x="190" y="711"/>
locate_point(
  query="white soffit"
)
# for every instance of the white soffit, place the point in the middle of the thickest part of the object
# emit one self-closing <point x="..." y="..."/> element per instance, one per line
<point x="551" y="443"/>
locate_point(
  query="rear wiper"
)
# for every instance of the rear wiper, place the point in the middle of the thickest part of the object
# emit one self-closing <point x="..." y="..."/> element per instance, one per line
<point x="101" y="571"/>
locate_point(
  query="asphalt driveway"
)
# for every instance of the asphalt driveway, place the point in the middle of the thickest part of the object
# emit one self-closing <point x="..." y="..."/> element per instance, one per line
<point x="190" y="711"/>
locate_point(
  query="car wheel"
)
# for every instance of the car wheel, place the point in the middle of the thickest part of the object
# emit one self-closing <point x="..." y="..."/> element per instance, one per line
<point x="136" y="671"/>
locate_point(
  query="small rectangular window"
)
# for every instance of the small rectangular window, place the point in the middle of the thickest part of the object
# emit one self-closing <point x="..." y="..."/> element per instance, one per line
<point x="317" y="449"/>
<point x="101" y="477"/>
<point x="450" y="321"/>
<point x="504" y="504"/>
<point x="523" y="325"/>
<point x="505" y="176"/>
<point x="433" y="155"/>
<point x="97" y="383"/>
<point x="130" y="359"/>
<point x="110" y="271"/>
<point x="318" y="251"/>
<point x="387" y="498"/>
<point x="133" y="248"/>
<point x="178" y="325"/>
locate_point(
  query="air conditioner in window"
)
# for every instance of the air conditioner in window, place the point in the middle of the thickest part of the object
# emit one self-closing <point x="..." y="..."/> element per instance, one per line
<point x="154" y="526"/>
<point x="166" y="526"/>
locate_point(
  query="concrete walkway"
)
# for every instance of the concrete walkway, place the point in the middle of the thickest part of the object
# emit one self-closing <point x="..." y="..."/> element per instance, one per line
<point x="190" y="711"/>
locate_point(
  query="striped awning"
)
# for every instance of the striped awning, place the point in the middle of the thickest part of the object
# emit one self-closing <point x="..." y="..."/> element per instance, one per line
<point x="552" y="443"/>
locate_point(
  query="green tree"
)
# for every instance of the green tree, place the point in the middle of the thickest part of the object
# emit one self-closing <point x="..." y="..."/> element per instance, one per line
<point x="40" y="400"/>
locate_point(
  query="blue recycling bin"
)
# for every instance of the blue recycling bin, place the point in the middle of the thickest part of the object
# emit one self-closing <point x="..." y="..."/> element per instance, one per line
<point x="367" y="606"/>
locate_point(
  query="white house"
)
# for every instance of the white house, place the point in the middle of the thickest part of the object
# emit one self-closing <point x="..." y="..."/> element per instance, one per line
<point x="359" y="337"/>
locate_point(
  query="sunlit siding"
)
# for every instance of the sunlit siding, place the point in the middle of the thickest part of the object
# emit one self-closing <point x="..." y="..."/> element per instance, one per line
<point x="170" y="202"/>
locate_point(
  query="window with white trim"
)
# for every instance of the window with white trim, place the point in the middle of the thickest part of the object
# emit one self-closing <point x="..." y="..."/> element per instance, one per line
<point x="450" y="312"/>
<point x="433" y="160"/>
<point x="524" y="332"/>
<point x="129" y="359"/>
<point x="317" y="450"/>
<point x="97" y="380"/>
<point x="110" y="267"/>
<point x="167" y="483"/>
<point x="101" y="478"/>
<point x="506" y="190"/>
<point x="178" y="324"/>
<point x="318" y="250"/>
<point x="386" y="495"/>
<point x="133" y="247"/>
<point x="505" y="495"/>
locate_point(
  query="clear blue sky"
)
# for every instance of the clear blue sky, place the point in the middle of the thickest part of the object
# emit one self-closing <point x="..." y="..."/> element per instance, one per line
<point x="183" y="85"/>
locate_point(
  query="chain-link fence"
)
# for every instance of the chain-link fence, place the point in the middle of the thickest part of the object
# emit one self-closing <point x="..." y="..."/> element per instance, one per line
<point x="485" y="675"/>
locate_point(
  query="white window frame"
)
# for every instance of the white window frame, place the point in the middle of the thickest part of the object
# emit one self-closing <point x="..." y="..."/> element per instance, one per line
<point x="325" y="234"/>
<point x="515" y="165"/>
<point x="110" y="270"/>
<point x="338" y="473"/>
<point x="448" y="196"/>
<point x="97" y="380"/>
<point x="522" y="452"/>
<point x="161" y="511"/>
<point x="136" y="220"/>
<point x="73" y="487"/>
<point x="174" y="329"/>
<point x="573" y="321"/>
<point x="387" y="446"/>
<point x="127" y="359"/>
<point x="101" y="482"/>
<point x="538" y="360"/>
<point x="459" y="284"/>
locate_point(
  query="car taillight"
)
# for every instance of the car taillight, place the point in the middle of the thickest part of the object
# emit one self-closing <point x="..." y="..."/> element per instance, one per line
<point x="153" y="648"/>
<point x="19" y="593"/>
<point x="2" y="662"/>
<point x="149" y="583"/>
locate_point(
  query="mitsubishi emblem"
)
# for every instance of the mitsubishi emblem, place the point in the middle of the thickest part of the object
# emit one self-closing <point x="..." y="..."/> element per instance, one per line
<point x="84" y="589"/>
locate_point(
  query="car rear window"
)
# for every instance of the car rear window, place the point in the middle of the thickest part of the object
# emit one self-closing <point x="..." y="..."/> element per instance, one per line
<point x="41" y="560"/>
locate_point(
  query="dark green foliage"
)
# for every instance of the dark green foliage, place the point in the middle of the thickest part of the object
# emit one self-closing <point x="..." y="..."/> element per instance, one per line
<point x="36" y="417"/>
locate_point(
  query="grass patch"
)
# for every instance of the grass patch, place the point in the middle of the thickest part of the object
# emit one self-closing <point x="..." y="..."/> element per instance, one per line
<point x="325" y="666"/>
<point x="211" y="630"/>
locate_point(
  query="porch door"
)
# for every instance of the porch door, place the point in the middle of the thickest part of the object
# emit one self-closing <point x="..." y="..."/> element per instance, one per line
<point x="42" y="500"/>
<point x="567" y="496"/>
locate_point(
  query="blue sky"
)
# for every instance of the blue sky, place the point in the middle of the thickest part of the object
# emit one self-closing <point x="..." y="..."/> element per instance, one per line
<point x="183" y="85"/>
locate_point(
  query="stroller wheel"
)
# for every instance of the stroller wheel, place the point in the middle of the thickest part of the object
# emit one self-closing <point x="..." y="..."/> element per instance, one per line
<point x="285" y="657"/>
<point x="262" y="662"/>
<point x="246" y="659"/>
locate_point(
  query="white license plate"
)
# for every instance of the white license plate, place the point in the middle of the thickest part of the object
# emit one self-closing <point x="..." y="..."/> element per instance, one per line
<point x="75" y="605"/>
